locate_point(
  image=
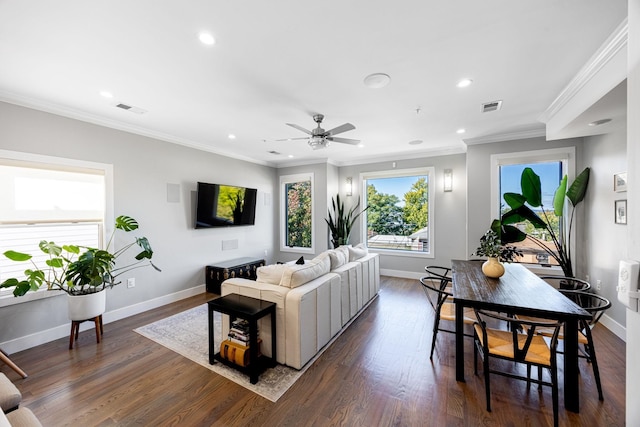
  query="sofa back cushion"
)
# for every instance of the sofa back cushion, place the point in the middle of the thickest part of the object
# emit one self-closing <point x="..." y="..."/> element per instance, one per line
<point x="296" y="275"/>
<point x="338" y="257"/>
<point x="271" y="274"/>
<point x="357" y="252"/>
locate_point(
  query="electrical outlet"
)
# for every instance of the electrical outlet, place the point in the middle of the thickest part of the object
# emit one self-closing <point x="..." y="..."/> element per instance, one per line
<point x="131" y="283"/>
<point x="598" y="285"/>
<point x="586" y="277"/>
<point x="265" y="252"/>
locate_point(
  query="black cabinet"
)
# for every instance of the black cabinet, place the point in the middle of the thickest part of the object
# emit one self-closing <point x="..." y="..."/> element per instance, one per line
<point x="239" y="267"/>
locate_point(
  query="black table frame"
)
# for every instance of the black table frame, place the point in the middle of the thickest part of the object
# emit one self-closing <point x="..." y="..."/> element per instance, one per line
<point x="519" y="291"/>
<point x="252" y="310"/>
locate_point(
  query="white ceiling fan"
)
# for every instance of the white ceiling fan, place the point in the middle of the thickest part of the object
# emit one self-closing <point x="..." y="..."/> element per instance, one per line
<point x="320" y="138"/>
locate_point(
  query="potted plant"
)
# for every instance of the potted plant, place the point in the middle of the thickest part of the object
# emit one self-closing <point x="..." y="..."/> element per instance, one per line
<point x="82" y="272"/>
<point x="521" y="210"/>
<point x="341" y="221"/>
<point x="491" y="247"/>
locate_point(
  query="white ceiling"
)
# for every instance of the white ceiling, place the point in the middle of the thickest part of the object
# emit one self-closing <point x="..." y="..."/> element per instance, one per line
<point x="282" y="61"/>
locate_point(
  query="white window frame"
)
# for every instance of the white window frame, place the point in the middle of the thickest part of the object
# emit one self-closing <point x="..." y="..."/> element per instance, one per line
<point x="51" y="162"/>
<point x="429" y="172"/>
<point x="290" y="179"/>
<point x="565" y="155"/>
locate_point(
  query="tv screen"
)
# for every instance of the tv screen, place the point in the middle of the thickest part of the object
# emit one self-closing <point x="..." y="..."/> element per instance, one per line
<point x="225" y="205"/>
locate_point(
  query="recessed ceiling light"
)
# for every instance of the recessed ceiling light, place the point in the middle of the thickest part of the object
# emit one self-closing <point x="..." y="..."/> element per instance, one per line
<point x="206" y="38"/>
<point x="464" y="83"/>
<point x="106" y="94"/>
<point x="461" y="130"/>
<point x="415" y="142"/>
<point x="232" y="136"/>
<point x="599" y="122"/>
<point x="377" y="80"/>
<point x="290" y="156"/>
<point x="360" y="145"/>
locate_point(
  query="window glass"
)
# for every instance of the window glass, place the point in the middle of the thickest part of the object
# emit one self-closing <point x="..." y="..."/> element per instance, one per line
<point x="297" y="212"/>
<point x="399" y="205"/>
<point x="550" y="174"/>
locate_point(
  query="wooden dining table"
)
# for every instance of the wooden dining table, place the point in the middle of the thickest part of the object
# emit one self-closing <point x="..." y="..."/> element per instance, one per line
<point x="518" y="291"/>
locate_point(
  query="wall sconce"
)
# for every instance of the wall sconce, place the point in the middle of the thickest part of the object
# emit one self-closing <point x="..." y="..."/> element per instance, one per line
<point x="349" y="186"/>
<point x="448" y="180"/>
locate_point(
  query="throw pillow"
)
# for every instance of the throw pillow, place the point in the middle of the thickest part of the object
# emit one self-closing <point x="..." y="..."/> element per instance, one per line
<point x="271" y="274"/>
<point x="296" y="275"/>
<point x="357" y="252"/>
<point x="337" y="258"/>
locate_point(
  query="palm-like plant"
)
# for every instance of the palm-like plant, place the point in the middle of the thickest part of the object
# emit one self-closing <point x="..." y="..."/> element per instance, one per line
<point x="341" y="221"/>
<point x="79" y="270"/>
<point x="532" y="196"/>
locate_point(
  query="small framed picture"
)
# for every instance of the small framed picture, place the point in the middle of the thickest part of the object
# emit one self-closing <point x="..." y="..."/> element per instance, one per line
<point x="620" y="182"/>
<point x="621" y="211"/>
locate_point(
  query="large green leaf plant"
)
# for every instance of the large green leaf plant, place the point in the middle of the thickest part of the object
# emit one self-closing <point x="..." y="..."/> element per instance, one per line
<point x="531" y="197"/>
<point x="341" y="221"/>
<point x="79" y="270"/>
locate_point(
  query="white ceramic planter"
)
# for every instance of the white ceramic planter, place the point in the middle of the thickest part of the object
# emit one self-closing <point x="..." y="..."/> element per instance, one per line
<point x="83" y="307"/>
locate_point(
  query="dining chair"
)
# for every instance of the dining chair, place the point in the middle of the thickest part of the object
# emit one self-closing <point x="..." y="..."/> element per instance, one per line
<point x="527" y="348"/>
<point x="437" y="290"/>
<point x="595" y="305"/>
<point x="568" y="283"/>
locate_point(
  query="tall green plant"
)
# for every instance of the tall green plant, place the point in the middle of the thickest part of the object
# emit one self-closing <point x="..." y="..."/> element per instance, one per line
<point x="520" y="210"/>
<point x="341" y="221"/>
<point x="79" y="272"/>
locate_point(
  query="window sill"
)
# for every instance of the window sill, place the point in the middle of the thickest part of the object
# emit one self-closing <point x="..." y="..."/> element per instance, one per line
<point x="407" y="254"/>
<point x="7" y="298"/>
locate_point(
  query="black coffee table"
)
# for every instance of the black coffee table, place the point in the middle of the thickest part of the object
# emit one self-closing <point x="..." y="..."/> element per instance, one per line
<point x="250" y="309"/>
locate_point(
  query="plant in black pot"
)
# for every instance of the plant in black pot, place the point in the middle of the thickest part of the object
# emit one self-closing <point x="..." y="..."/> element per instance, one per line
<point x="521" y="211"/>
<point x="80" y="271"/>
<point x="341" y="221"/>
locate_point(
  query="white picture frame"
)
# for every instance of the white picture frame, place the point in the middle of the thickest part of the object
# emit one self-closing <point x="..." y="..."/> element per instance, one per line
<point x="620" y="182"/>
<point x="620" y="207"/>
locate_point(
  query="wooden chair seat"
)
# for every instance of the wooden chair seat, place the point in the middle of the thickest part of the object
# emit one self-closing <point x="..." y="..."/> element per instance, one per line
<point x="501" y="344"/>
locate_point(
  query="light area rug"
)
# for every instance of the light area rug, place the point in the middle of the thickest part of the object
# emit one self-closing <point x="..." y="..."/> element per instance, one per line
<point x="187" y="333"/>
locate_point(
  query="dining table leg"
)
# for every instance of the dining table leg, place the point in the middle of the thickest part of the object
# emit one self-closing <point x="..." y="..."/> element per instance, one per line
<point x="459" y="342"/>
<point x="571" y="369"/>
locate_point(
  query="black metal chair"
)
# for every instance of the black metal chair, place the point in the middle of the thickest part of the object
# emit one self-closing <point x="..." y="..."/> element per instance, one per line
<point x="527" y="348"/>
<point x="435" y="287"/>
<point x="567" y="283"/>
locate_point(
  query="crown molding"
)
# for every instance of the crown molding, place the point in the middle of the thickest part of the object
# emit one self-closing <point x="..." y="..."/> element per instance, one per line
<point x="609" y="49"/>
<point x="71" y="113"/>
<point x="524" y="132"/>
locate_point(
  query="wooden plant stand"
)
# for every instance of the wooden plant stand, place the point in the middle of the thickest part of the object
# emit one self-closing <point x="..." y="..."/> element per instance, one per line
<point x="75" y="329"/>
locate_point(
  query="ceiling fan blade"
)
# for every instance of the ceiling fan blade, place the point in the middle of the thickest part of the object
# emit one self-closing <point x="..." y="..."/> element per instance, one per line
<point x="343" y="140"/>
<point x="300" y="128"/>
<point x="291" y="139"/>
<point x="342" y="128"/>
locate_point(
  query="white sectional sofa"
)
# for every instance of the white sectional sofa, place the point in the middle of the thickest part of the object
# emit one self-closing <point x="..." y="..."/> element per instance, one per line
<point x="314" y="301"/>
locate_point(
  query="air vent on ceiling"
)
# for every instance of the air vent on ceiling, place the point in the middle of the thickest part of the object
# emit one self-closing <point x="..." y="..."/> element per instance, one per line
<point x="491" y="106"/>
<point x="274" y="152"/>
<point x="131" y="108"/>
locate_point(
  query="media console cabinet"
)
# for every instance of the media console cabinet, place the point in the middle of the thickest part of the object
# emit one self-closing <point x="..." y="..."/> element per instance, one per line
<point x="238" y="267"/>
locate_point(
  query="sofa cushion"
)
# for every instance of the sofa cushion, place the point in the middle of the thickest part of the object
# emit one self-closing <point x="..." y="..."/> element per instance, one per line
<point x="296" y="275"/>
<point x="357" y="252"/>
<point x="338" y="257"/>
<point x="271" y="274"/>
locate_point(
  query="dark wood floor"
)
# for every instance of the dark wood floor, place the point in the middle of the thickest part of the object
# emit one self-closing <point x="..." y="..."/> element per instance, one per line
<point x="377" y="373"/>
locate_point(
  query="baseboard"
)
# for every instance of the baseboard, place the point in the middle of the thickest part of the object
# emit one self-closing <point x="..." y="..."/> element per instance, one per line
<point x="42" y="337"/>
<point x="615" y="327"/>
<point x="400" y="273"/>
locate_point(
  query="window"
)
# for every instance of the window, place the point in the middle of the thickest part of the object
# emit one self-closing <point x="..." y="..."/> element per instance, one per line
<point x="550" y="166"/>
<point x="296" y="213"/>
<point x="60" y="200"/>
<point x="400" y="210"/>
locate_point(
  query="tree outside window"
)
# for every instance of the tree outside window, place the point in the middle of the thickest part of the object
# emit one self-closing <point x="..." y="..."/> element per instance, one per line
<point x="297" y="213"/>
<point x="398" y="214"/>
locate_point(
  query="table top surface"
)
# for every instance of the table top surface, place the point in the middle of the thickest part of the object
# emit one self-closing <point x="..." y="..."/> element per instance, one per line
<point x="518" y="290"/>
<point x="241" y="305"/>
<point x="236" y="262"/>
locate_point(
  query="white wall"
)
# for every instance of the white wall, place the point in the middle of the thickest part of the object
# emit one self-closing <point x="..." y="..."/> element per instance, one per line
<point x="606" y="155"/>
<point x="142" y="169"/>
<point x="633" y="239"/>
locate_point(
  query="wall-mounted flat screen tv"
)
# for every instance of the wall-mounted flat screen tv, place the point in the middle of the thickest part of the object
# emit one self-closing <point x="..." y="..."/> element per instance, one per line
<point x="225" y="205"/>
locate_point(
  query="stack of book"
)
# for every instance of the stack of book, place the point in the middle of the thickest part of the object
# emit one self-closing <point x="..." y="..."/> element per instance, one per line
<point x="239" y="332"/>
